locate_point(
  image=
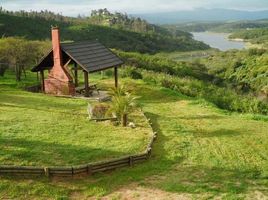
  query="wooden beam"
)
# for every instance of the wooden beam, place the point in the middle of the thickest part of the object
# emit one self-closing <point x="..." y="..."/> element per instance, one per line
<point x="86" y="84"/>
<point x="116" y="77"/>
<point x="75" y="75"/>
<point x="42" y="81"/>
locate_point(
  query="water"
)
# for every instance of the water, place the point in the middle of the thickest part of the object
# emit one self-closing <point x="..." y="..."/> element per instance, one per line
<point x="218" y="40"/>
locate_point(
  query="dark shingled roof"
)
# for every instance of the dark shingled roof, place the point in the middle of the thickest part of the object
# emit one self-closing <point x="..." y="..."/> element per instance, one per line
<point x="91" y="56"/>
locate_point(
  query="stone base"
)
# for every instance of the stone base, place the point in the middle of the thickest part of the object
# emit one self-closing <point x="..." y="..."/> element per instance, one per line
<point x="57" y="87"/>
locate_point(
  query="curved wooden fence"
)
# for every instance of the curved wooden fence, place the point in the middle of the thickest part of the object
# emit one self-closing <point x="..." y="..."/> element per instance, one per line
<point x="87" y="169"/>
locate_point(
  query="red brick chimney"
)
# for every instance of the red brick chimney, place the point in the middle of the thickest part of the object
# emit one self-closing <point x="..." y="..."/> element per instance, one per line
<point x="59" y="80"/>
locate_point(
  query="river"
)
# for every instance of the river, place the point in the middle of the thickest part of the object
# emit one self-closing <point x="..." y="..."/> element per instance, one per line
<point x="218" y="40"/>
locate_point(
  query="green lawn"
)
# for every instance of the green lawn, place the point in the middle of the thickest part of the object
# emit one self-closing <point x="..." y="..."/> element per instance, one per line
<point x="201" y="153"/>
<point x="37" y="129"/>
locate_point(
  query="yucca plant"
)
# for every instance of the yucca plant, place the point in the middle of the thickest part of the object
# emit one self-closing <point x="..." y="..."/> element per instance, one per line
<point x="122" y="104"/>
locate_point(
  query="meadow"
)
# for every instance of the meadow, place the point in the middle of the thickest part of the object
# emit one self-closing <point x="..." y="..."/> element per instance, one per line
<point x="202" y="152"/>
<point x="42" y="130"/>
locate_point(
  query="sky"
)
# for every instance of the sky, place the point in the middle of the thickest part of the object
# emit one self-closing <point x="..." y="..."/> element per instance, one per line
<point x="73" y="8"/>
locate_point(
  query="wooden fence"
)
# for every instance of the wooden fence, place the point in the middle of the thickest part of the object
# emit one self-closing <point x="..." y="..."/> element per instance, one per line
<point x="87" y="169"/>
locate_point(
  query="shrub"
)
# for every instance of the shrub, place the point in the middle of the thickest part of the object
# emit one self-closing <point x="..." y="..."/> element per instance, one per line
<point x="122" y="104"/>
<point x="98" y="111"/>
<point x="131" y="72"/>
<point x="109" y="72"/>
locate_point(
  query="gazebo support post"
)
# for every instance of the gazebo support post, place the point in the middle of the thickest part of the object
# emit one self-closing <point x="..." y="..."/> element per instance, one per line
<point x="75" y="75"/>
<point x="115" y="77"/>
<point x="42" y="81"/>
<point x="86" y="83"/>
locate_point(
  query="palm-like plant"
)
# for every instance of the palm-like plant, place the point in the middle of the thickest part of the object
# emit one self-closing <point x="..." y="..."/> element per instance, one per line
<point x="123" y="103"/>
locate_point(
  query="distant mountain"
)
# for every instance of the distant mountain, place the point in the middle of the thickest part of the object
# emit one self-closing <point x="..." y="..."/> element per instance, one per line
<point x="202" y="15"/>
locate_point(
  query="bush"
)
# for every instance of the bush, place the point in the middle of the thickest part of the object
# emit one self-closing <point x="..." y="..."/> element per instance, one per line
<point x="135" y="74"/>
<point x="109" y="72"/>
<point x="123" y="103"/>
<point x="98" y="111"/>
<point x="131" y="72"/>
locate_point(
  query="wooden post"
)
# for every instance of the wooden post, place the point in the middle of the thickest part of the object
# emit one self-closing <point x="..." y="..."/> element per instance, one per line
<point x="116" y="77"/>
<point x="86" y="84"/>
<point x="75" y="75"/>
<point x="42" y="81"/>
<point x="46" y="170"/>
<point x="131" y="161"/>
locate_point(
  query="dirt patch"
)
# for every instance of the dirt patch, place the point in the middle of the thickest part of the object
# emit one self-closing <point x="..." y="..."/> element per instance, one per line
<point x="135" y="192"/>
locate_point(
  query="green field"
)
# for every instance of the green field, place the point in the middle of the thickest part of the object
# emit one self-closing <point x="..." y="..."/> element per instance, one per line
<point x="42" y="130"/>
<point x="201" y="152"/>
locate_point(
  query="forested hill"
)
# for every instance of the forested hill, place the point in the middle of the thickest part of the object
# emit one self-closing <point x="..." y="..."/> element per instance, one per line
<point x="123" y="21"/>
<point x="255" y="36"/>
<point x="119" y="35"/>
<point x="223" y="26"/>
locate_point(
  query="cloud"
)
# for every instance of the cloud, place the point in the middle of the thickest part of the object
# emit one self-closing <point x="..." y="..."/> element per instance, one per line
<point x="73" y="8"/>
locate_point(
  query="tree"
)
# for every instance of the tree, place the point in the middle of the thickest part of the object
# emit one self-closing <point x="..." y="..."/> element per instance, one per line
<point x="20" y="53"/>
<point x="123" y="103"/>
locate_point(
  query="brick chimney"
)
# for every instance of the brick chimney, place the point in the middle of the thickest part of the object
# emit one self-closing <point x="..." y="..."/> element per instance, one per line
<point x="59" y="81"/>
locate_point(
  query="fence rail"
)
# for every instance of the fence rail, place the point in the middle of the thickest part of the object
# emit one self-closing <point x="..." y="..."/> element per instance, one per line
<point x="88" y="169"/>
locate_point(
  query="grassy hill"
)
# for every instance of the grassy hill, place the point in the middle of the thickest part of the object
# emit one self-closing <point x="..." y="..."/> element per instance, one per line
<point x="201" y="152"/>
<point x="36" y="26"/>
<point x="42" y="130"/>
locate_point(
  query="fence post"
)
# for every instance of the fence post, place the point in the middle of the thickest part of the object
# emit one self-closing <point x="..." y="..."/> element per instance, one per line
<point x="155" y="136"/>
<point x="130" y="161"/>
<point x="89" y="169"/>
<point x="149" y="151"/>
<point x="46" y="169"/>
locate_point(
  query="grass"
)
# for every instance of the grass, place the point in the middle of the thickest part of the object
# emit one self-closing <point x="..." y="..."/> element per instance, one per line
<point x="37" y="129"/>
<point x="201" y="152"/>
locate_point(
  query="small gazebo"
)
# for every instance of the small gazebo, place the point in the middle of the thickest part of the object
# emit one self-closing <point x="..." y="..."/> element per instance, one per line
<point x="89" y="56"/>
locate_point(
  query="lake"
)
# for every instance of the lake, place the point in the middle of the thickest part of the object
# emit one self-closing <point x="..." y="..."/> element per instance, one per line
<point x="218" y="40"/>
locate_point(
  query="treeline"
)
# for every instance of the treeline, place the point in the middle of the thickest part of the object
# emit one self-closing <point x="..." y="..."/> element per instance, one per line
<point x="255" y="36"/>
<point x="220" y="26"/>
<point x="38" y="28"/>
<point x="43" y="14"/>
<point x="20" y="55"/>
<point x="123" y="21"/>
<point x="182" y="78"/>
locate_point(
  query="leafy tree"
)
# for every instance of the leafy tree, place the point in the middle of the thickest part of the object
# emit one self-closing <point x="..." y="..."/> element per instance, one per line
<point x="20" y="53"/>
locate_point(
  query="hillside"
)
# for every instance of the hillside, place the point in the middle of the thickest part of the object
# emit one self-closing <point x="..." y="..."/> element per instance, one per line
<point x="201" y="152"/>
<point x="36" y="26"/>
<point x="221" y="26"/>
<point x="247" y="71"/>
<point x="254" y="36"/>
